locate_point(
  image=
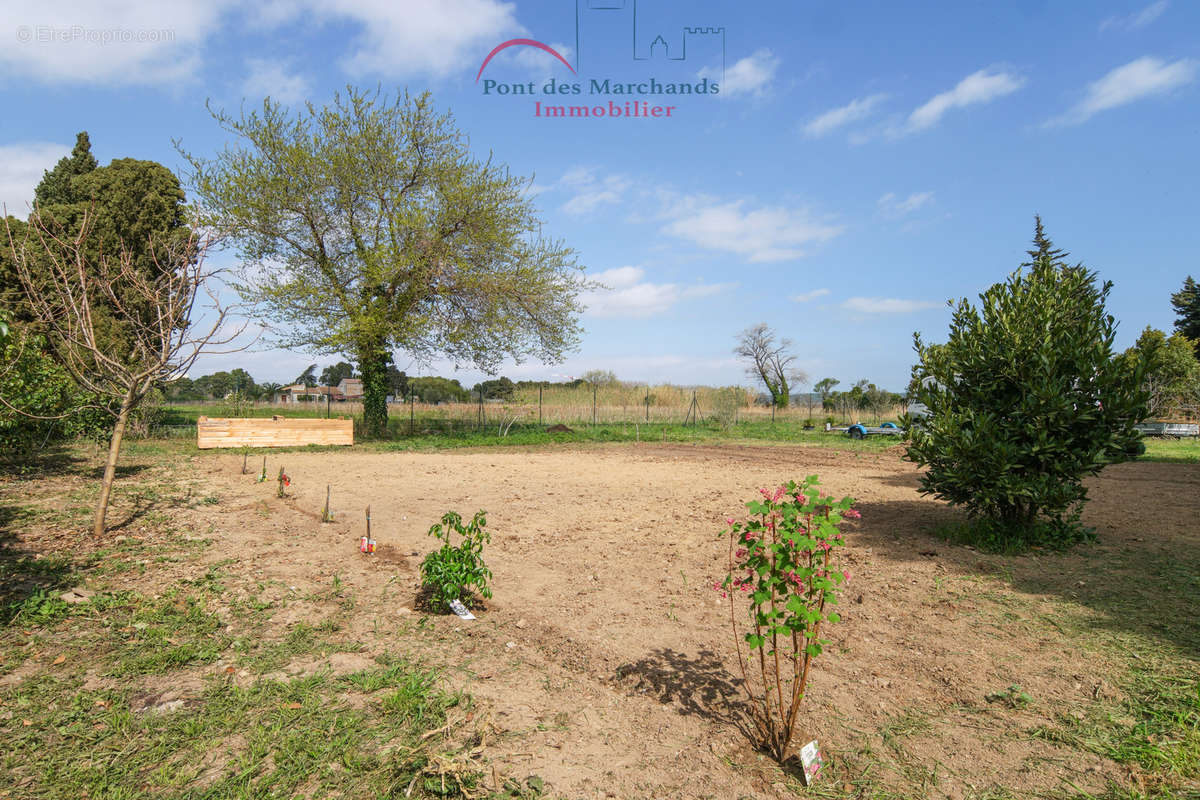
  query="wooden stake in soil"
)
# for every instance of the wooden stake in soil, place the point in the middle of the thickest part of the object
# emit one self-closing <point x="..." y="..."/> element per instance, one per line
<point x="326" y="516"/>
<point x="283" y="481"/>
<point x="263" y="477"/>
<point x="245" y="455"/>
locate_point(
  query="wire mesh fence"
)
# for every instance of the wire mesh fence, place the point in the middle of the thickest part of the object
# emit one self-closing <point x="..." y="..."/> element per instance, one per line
<point x="544" y="407"/>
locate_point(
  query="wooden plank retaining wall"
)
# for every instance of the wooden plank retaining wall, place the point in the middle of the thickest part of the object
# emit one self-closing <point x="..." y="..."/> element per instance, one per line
<point x="272" y="432"/>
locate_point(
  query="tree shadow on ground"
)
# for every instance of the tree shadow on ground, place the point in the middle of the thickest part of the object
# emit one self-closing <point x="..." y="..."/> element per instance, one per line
<point x="699" y="685"/>
<point x="60" y="461"/>
<point x="141" y="507"/>
<point x="48" y="462"/>
<point x="1141" y="576"/>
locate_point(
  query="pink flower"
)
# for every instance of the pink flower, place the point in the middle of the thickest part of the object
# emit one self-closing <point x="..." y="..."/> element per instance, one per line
<point x="747" y="537"/>
<point x="851" y="513"/>
<point x="778" y="494"/>
<point x="729" y="520"/>
<point x="846" y="575"/>
<point x="741" y="553"/>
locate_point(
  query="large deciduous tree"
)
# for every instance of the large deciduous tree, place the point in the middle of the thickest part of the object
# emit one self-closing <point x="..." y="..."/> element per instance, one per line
<point x="370" y="227"/>
<point x="1171" y="373"/>
<point x="336" y="373"/>
<point x="769" y="362"/>
<point x="1026" y="399"/>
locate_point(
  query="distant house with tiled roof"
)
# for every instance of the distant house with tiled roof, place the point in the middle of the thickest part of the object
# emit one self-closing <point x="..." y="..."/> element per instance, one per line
<point x="348" y="389"/>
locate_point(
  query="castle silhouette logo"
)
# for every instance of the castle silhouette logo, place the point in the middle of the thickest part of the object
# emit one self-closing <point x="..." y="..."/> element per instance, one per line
<point x="595" y="18"/>
<point x="647" y="43"/>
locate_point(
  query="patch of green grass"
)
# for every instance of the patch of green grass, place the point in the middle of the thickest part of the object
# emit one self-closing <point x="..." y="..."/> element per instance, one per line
<point x="1177" y="451"/>
<point x="1155" y="724"/>
<point x="172" y="632"/>
<point x="30" y="588"/>
<point x="308" y="736"/>
<point x="705" y="432"/>
<point x="303" y="639"/>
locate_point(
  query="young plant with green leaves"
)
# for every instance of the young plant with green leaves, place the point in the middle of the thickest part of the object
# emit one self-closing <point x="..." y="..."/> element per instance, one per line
<point x="783" y="559"/>
<point x="1025" y="400"/>
<point x="457" y="572"/>
<point x="368" y="226"/>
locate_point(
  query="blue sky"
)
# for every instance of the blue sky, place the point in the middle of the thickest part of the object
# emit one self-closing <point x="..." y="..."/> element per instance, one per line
<point x="860" y="164"/>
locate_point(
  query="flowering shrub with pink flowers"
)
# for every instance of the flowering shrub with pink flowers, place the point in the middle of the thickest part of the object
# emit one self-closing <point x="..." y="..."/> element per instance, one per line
<point x="783" y="562"/>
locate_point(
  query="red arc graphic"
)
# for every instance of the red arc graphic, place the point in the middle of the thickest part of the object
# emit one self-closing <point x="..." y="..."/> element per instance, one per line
<point x="527" y="42"/>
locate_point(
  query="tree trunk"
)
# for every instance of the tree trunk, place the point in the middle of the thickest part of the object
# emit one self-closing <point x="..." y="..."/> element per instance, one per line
<point x="372" y="362"/>
<point x="110" y="466"/>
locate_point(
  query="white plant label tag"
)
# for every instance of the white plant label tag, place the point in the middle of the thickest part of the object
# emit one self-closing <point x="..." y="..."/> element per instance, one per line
<point x="810" y="758"/>
<point x="458" y="608"/>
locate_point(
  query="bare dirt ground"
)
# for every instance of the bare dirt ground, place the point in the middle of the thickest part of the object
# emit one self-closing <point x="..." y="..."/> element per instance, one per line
<point x="605" y="658"/>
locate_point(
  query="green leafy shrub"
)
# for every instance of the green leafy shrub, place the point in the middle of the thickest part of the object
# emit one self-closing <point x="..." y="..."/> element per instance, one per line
<point x="783" y="560"/>
<point x="457" y="572"/>
<point x="1025" y="399"/>
<point x="35" y="385"/>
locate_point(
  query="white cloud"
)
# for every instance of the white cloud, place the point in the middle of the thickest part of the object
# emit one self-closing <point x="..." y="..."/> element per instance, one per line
<point x="591" y="191"/>
<point x="767" y="233"/>
<point x="1138" y="20"/>
<point x="804" y="297"/>
<point x="978" y="87"/>
<point x="21" y="168"/>
<point x="628" y="295"/>
<point x="835" y="118"/>
<point x="272" y="78"/>
<point x="1141" y="78"/>
<point x="886" y="305"/>
<point x="750" y="75"/>
<point x="434" y="37"/>
<point x="136" y="42"/>
<point x="893" y="208"/>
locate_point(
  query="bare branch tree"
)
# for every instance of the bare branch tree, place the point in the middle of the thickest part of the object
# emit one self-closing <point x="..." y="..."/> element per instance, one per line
<point x="770" y="362"/>
<point x="75" y="300"/>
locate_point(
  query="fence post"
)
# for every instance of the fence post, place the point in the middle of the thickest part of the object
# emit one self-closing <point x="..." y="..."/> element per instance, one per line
<point x="772" y="411"/>
<point x="593" y="404"/>
<point x="412" y="411"/>
<point x="481" y="410"/>
<point x="539" y="405"/>
<point x="647" y="404"/>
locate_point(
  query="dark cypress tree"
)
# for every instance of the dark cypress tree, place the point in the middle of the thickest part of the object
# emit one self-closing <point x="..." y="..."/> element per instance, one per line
<point x="1186" y="303"/>
<point x="56" y="187"/>
<point x="1044" y="248"/>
